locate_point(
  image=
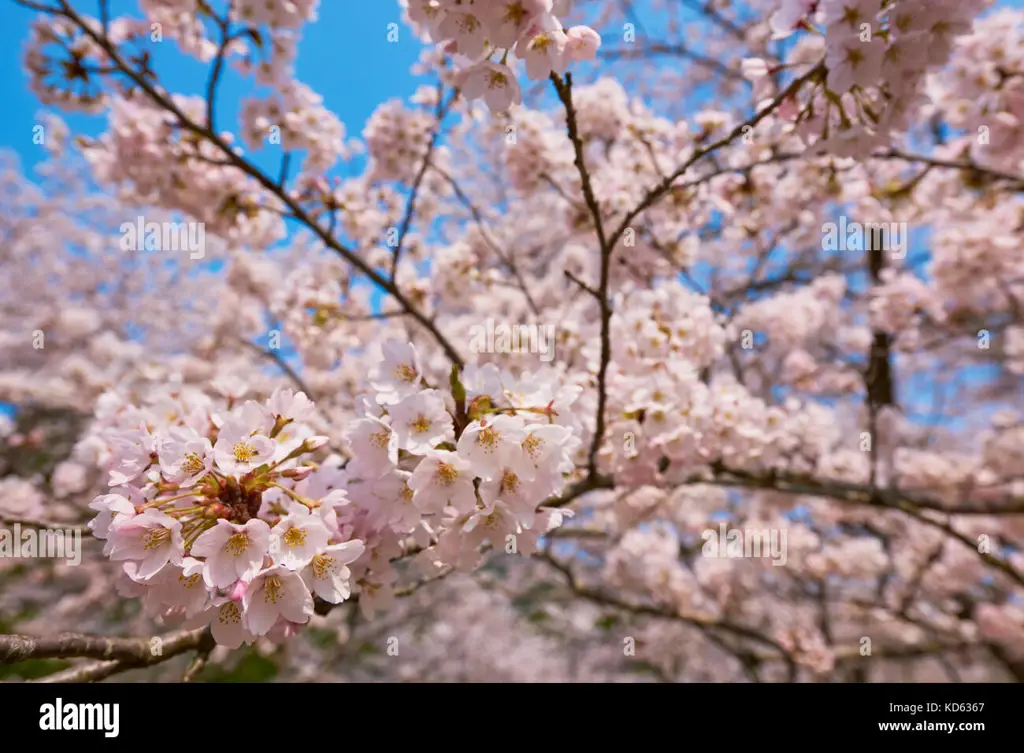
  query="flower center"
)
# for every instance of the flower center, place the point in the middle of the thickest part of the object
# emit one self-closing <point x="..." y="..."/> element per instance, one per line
<point x="405" y="373"/>
<point x="515" y="13"/>
<point x="156" y="537"/>
<point x="244" y="452"/>
<point x="323" y="566"/>
<point x="533" y="445"/>
<point x="446" y="474"/>
<point x="541" y="42"/>
<point x="272" y="589"/>
<point x="295" y="537"/>
<point x="488" y="437"/>
<point x="496" y="79"/>
<point x="509" y="483"/>
<point x="193" y="463"/>
<point x="229" y="614"/>
<point x="237" y="544"/>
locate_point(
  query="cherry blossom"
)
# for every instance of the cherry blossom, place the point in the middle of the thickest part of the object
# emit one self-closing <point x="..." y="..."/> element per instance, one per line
<point x="702" y="417"/>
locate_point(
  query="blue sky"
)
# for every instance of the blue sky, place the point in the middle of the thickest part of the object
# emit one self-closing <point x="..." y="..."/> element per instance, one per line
<point x="345" y="57"/>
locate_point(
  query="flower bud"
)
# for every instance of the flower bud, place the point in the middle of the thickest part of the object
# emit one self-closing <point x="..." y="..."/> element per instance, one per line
<point x="298" y="473"/>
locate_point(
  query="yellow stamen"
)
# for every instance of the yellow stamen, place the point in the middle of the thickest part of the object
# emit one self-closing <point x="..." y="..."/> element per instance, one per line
<point x="156" y="537"/>
<point x="244" y="452"/>
<point x="193" y="463"/>
<point x="237" y="544"/>
<point x="272" y="589"/>
<point x="446" y="474"/>
<point x="295" y="537"/>
<point x="405" y="373"/>
<point x="229" y="614"/>
<point x="323" y="566"/>
<point x="533" y="445"/>
<point x="488" y="437"/>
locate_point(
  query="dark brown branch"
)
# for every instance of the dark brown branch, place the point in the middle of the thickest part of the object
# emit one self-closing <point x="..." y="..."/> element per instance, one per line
<point x="564" y="89"/>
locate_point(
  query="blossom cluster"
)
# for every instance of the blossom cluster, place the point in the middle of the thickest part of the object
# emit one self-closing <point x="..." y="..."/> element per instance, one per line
<point x="220" y="516"/>
<point x="982" y="89"/>
<point x="476" y="460"/>
<point x="477" y="32"/>
<point x="671" y="423"/>
<point x="158" y="162"/>
<point x="876" y="56"/>
<point x="302" y="121"/>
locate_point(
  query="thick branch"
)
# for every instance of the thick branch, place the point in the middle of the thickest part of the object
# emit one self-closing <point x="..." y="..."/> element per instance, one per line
<point x="134" y="651"/>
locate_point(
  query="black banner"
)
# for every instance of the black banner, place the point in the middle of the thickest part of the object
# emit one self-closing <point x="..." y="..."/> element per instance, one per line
<point x="111" y="715"/>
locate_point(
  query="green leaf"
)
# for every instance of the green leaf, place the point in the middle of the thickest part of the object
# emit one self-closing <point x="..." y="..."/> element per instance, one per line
<point x="250" y="668"/>
<point x="32" y="669"/>
<point x="607" y="622"/>
<point x="458" y="390"/>
<point x="641" y="667"/>
<point x="322" y="638"/>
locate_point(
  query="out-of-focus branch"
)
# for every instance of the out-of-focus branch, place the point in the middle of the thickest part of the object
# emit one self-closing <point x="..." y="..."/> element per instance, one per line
<point x="702" y="623"/>
<point x="410" y="207"/>
<point x="906" y="502"/>
<point x="478" y="219"/>
<point x="17" y="648"/>
<point x="660" y="190"/>
<point x="276" y="357"/>
<point x="268" y="183"/>
<point x="118" y="654"/>
<point x="678" y="50"/>
<point x="1017" y="181"/>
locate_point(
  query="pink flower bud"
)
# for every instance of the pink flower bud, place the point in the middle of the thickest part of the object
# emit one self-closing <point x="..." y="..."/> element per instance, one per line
<point x="217" y="510"/>
<point x="298" y="473"/>
<point x="315" y="443"/>
<point x="583" y="43"/>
